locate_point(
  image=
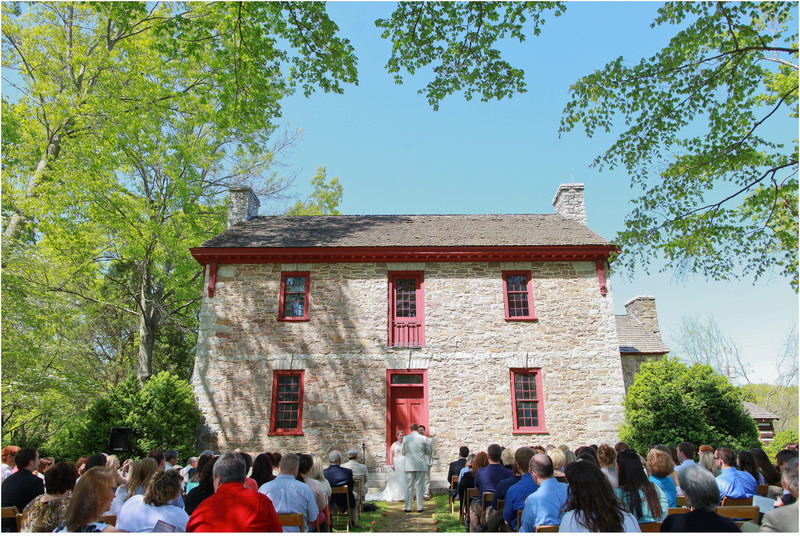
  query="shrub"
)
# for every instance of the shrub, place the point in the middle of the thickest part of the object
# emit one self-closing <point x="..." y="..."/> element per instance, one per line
<point x="779" y="442"/>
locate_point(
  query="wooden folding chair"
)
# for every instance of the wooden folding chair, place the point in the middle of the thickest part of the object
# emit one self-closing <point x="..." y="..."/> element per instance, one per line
<point x="519" y="520"/>
<point x="678" y="511"/>
<point x="110" y="519"/>
<point x="472" y="493"/>
<point x="12" y="512"/>
<point x="728" y="501"/>
<point x="762" y="490"/>
<point x="292" y="520"/>
<point x="334" y="510"/>
<point x="650" y="527"/>
<point x="487" y="496"/>
<point x="453" y="487"/>
<point x="682" y="502"/>
<point x="739" y="514"/>
<point x="547" y="528"/>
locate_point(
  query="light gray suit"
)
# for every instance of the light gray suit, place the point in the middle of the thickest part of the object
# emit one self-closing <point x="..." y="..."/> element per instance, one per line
<point x="781" y="520"/>
<point x="416" y="450"/>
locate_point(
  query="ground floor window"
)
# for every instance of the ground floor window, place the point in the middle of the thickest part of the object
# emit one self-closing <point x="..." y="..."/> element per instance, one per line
<point x="286" y="417"/>
<point x="526" y="400"/>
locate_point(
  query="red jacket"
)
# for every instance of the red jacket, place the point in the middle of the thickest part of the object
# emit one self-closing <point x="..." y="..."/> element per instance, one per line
<point x="235" y="509"/>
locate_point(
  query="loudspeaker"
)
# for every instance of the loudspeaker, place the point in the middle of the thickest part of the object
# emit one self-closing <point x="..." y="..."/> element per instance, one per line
<point x="119" y="439"/>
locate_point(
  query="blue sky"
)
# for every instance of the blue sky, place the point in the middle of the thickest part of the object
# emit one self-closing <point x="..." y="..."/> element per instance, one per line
<point x="394" y="155"/>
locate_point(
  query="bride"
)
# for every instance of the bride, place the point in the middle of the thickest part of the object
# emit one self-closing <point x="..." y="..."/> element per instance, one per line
<point x="395" y="489"/>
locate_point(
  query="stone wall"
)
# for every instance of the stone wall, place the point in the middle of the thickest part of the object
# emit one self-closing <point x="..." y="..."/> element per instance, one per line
<point x="469" y="350"/>
<point x="631" y="364"/>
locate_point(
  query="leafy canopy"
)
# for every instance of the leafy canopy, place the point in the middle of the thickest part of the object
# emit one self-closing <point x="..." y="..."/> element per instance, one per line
<point x="670" y="402"/>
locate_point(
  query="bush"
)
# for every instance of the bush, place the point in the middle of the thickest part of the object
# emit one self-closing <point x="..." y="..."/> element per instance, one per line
<point x="162" y="414"/>
<point x="779" y="442"/>
<point x="669" y="403"/>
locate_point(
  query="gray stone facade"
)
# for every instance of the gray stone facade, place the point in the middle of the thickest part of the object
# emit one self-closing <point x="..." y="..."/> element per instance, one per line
<point x="469" y="350"/>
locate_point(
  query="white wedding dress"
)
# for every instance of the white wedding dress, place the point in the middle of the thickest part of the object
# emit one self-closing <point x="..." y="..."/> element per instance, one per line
<point x="395" y="489"/>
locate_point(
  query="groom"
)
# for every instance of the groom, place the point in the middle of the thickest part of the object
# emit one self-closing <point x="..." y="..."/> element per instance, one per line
<point x="416" y="450"/>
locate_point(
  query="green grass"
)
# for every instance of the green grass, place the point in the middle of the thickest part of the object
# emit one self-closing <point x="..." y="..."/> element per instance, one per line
<point x="370" y="522"/>
<point x="448" y="523"/>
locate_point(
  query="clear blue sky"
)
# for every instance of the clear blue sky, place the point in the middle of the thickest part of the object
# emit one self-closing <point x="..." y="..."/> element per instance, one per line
<point x="394" y="155"/>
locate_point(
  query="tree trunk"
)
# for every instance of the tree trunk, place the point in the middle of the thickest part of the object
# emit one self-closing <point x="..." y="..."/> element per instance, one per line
<point x="149" y="317"/>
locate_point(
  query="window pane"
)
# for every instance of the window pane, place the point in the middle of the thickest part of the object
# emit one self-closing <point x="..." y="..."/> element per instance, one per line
<point x="517" y="288"/>
<point x="407" y="378"/>
<point x="527" y="405"/>
<point x="296" y="284"/>
<point x="294" y="305"/>
<point x="406" y="297"/>
<point x="288" y="407"/>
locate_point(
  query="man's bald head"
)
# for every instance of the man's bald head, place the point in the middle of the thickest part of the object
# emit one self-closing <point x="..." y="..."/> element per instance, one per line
<point x="542" y="466"/>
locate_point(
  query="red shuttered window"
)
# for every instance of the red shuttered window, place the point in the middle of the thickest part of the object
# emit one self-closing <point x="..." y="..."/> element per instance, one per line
<point x="286" y="416"/>
<point x="406" y="309"/>
<point x="527" y="401"/>
<point x="518" y="295"/>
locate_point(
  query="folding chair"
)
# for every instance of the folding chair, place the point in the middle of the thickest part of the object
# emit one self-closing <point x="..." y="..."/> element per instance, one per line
<point x="334" y="510"/>
<point x="519" y="520"/>
<point x="110" y="519"/>
<point x="292" y="520"/>
<point x="547" y="528"/>
<point x="739" y="514"/>
<point x="762" y="490"/>
<point x="487" y="496"/>
<point x="453" y="487"/>
<point x="650" y="527"/>
<point x="678" y="511"/>
<point x="472" y="492"/>
<point x="12" y="512"/>
<point x="728" y="501"/>
<point x="682" y="501"/>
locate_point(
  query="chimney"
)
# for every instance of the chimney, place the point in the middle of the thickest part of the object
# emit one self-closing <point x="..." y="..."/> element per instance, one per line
<point x="643" y="309"/>
<point x="568" y="202"/>
<point x="243" y="205"/>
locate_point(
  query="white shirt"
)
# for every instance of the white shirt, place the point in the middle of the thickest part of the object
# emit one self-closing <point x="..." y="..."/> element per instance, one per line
<point x="570" y="524"/>
<point x="138" y="517"/>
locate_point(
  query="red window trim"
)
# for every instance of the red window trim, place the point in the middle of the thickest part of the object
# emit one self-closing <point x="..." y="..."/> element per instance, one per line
<point x="541" y="428"/>
<point x="304" y="318"/>
<point x="420" y="303"/>
<point x="273" y="417"/>
<point x="527" y="274"/>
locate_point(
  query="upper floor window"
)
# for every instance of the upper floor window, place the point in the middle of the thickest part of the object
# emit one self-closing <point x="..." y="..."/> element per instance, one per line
<point x="526" y="400"/>
<point x="406" y="309"/>
<point x="518" y="295"/>
<point x="286" y="416"/>
<point x="294" y="296"/>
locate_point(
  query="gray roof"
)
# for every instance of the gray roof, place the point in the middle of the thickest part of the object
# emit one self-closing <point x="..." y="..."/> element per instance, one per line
<point x="407" y="231"/>
<point x="635" y="338"/>
<point x="757" y="412"/>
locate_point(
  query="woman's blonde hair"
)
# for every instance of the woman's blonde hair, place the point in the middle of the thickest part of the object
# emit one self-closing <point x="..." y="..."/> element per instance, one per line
<point x="558" y="457"/>
<point x="89" y="498"/>
<point x="163" y="487"/>
<point x="112" y="462"/>
<point x="316" y="467"/>
<point x="141" y="473"/>
<point x="660" y="463"/>
<point x="708" y="462"/>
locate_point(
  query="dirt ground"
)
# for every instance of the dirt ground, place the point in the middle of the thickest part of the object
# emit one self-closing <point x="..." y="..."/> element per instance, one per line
<point x="397" y="521"/>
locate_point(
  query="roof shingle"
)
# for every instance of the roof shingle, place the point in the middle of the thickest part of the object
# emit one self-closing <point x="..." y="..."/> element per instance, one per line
<point x="635" y="338"/>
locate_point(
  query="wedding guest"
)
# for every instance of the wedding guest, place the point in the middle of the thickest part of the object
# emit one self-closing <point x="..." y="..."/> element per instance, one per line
<point x="92" y="496"/>
<point x="205" y="484"/>
<point x="607" y="458"/>
<point x="639" y="496"/>
<point x="467" y="466"/>
<point x="543" y="506"/>
<point x="784" y="519"/>
<point x="249" y="482"/>
<point x="22" y="486"/>
<point x="45" y="512"/>
<point x="661" y="468"/>
<point x="290" y="496"/>
<point x="8" y="466"/>
<point x="559" y="461"/>
<point x="747" y="463"/>
<point x="140" y="514"/>
<point x="732" y="482"/>
<point x="141" y="473"/>
<point x="262" y="469"/>
<point x="112" y="463"/>
<point x="317" y="472"/>
<point x="305" y="465"/>
<point x="700" y="489"/>
<point x="592" y="506"/>
<point x="44" y="464"/>
<point x="708" y="461"/>
<point x="770" y="472"/>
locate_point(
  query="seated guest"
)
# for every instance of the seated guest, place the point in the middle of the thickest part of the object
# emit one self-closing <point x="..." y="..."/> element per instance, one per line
<point x="701" y="492"/>
<point x="607" y="458"/>
<point x="338" y="476"/>
<point x="317" y="472"/>
<point x="262" y="468"/>
<point x="276" y="462"/>
<point x="360" y="472"/>
<point x="171" y="460"/>
<point x="306" y="463"/>
<point x="513" y="491"/>
<point x="95" y="460"/>
<point x="592" y="506"/>
<point x="8" y="466"/>
<point x="194" y="478"/>
<point x="708" y="461"/>
<point x="771" y="475"/>
<point x="290" y="496"/>
<point x="622" y="445"/>
<point x="22" y="486"/>
<point x="249" y="482"/>
<point x="781" y="459"/>
<point x="559" y="461"/>
<point x="732" y="482"/>
<point x="44" y="464"/>
<point x="467" y="466"/>
<point x="640" y="497"/>
<point x="543" y="506"/>
<point x="140" y="514"/>
<point x="112" y="463"/>
<point x="205" y="484"/>
<point x="141" y="473"/>
<point x="747" y="463"/>
<point x="233" y="508"/>
<point x="486" y="480"/>
<point x="92" y="496"/>
<point x="507" y="458"/>
<point x="457" y="466"/>
<point x="467" y="481"/>
<point x="45" y="512"/>
<point x="685" y="456"/>
<point x="661" y="468"/>
<point x="784" y="519"/>
<point x="705" y="448"/>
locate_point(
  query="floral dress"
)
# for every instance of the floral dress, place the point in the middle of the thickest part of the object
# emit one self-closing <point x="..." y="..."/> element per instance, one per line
<point x="43" y="517"/>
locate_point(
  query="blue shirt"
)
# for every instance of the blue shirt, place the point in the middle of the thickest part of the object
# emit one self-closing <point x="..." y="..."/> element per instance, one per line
<point x="290" y="496"/>
<point x="487" y="478"/>
<point x="668" y="486"/>
<point x="502" y="489"/>
<point x="736" y="484"/>
<point x="544" y="506"/>
<point x="515" y="498"/>
<point x="687" y="462"/>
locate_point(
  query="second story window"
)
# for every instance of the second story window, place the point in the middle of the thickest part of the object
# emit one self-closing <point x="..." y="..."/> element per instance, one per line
<point x="518" y="296"/>
<point x="406" y="309"/>
<point x="294" y="296"/>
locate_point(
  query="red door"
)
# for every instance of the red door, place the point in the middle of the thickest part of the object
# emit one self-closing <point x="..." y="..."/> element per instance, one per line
<point x="406" y="402"/>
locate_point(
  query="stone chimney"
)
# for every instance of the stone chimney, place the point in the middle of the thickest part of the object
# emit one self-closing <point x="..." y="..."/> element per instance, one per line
<point x="643" y="309"/>
<point x="243" y="205"/>
<point x="569" y="202"/>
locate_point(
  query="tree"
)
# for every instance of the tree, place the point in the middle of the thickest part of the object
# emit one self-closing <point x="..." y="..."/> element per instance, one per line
<point x="703" y="121"/>
<point x="670" y="402"/>
<point x="703" y="342"/>
<point x="780" y="441"/>
<point x="325" y="198"/>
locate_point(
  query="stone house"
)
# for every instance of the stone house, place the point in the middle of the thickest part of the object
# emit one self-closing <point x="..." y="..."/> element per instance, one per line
<point x="333" y="332"/>
<point x="639" y="336"/>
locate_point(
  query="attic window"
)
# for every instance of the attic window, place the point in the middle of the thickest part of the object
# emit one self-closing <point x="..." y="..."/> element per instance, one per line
<point x="294" y="296"/>
<point x="518" y="296"/>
